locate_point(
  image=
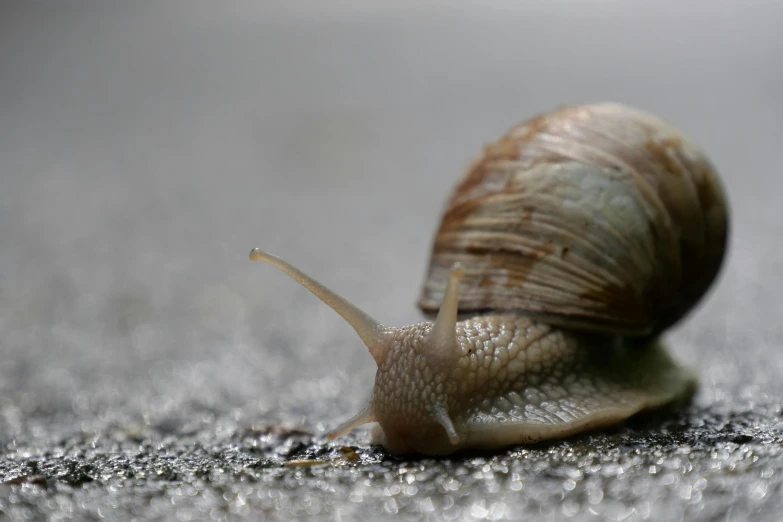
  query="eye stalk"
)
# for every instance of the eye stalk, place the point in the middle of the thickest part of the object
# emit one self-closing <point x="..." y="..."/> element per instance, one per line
<point x="442" y="342"/>
<point x="373" y="334"/>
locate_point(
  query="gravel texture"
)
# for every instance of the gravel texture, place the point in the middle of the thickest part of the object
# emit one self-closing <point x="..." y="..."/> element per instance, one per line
<point x="151" y="372"/>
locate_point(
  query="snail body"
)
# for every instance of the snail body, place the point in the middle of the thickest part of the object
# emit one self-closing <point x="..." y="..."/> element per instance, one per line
<point x="569" y="246"/>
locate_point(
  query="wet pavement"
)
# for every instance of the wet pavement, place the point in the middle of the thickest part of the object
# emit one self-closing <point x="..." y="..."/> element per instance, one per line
<point x="151" y="372"/>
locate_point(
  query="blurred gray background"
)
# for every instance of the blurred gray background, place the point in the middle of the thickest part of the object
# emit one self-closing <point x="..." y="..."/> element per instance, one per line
<point x="146" y="147"/>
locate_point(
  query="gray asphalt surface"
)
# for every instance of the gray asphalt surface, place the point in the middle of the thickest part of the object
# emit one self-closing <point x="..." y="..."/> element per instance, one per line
<point x="151" y="372"/>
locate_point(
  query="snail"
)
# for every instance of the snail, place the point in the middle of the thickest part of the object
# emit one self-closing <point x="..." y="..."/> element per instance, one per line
<point x="564" y="253"/>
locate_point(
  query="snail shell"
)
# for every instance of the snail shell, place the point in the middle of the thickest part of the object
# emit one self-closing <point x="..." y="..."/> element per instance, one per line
<point x="571" y="243"/>
<point x="599" y="217"/>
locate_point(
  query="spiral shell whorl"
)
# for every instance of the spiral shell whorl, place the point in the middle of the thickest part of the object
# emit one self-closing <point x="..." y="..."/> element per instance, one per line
<point x="598" y="217"/>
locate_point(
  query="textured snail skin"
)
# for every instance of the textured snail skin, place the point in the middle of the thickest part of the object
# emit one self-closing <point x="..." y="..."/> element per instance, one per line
<point x="496" y="380"/>
<point x="514" y="381"/>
